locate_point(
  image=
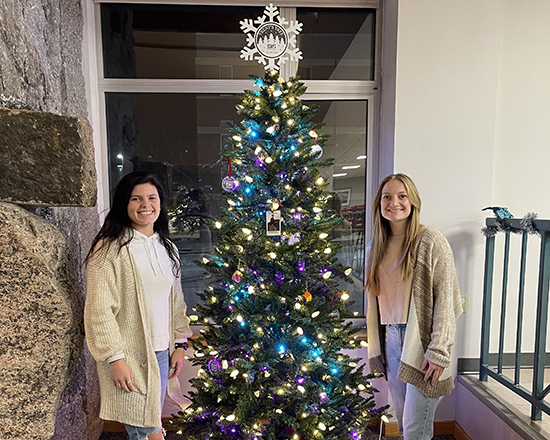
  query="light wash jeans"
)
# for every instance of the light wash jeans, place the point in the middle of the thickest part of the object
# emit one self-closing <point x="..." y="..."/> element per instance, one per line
<point x="138" y="432"/>
<point x="414" y="411"/>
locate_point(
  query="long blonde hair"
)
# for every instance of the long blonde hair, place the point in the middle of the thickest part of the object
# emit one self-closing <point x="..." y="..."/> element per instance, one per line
<point x="382" y="231"/>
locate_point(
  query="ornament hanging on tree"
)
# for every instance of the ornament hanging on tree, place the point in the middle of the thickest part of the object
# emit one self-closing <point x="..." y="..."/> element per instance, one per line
<point x="273" y="223"/>
<point x="316" y="150"/>
<point x="229" y="183"/>
<point x="237" y="276"/>
<point x="214" y="366"/>
<point x="294" y="238"/>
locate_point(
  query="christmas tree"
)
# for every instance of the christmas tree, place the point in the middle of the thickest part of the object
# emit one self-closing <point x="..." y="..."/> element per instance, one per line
<point x="270" y="357"/>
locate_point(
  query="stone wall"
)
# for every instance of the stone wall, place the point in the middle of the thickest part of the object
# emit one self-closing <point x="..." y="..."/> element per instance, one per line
<point x="41" y="323"/>
<point x="41" y="68"/>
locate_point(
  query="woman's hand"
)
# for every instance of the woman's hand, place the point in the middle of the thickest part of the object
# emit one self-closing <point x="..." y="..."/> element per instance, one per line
<point x="433" y="370"/>
<point x="177" y="361"/>
<point x="121" y="375"/>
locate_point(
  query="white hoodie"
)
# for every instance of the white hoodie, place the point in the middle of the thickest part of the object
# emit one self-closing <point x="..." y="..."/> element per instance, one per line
<point x="155" y="269"/>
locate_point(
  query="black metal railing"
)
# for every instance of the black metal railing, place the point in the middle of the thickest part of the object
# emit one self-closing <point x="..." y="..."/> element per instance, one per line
<point x="537" y="394"/>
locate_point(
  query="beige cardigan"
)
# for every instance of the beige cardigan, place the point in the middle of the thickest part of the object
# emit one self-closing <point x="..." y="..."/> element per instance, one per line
<point x="435" y="305"/>
<point x="116" y="322"/>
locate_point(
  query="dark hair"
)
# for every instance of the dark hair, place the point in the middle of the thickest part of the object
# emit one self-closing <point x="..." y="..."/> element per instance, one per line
<point x="116" y="227"/>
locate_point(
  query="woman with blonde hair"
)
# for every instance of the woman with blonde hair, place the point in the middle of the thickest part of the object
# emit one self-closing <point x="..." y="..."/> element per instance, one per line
<point x="413" y="300"/>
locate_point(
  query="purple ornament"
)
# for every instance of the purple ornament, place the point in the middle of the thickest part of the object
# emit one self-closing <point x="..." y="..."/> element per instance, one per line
<point x="214" y="366"/>
<point x="294" y="238"/>
<point x="230" y="184"/>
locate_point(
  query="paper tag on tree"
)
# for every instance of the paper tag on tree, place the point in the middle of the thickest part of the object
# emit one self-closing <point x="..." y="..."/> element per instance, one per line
<point x="273" y="223"/>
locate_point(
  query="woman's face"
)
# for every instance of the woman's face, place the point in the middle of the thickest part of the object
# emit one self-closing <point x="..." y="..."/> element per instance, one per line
<point x="395" y="205"/>
<point x="144" y="208"/>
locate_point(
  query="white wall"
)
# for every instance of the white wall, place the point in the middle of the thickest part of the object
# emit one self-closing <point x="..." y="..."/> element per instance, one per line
<point x="472" y="124"/>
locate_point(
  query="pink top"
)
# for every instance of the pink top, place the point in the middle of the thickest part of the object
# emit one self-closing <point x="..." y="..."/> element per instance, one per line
<point x="395" y="294"/>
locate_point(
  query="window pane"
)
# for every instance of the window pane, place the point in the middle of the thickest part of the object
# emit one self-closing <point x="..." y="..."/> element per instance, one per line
<point x="165" y="41"/>
<point x="336" y="43"/>
<point x="179" y="138"/>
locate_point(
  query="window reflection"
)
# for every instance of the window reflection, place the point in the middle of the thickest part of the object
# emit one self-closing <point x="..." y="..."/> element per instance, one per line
<point x="201" y="42"/>
<point x="179" y="137"/>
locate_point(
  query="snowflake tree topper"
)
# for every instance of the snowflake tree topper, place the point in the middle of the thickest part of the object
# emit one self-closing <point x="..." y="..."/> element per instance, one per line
<point x="268" y="40"/>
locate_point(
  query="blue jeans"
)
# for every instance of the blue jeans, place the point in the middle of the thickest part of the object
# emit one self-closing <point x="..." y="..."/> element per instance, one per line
<point x="138" y="432"/>
<point x="414" y="411"/>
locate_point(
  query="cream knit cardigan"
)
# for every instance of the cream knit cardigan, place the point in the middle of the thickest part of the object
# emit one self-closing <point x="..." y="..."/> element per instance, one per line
<point x="116" y="321"/>
<point x="435" y="305"/>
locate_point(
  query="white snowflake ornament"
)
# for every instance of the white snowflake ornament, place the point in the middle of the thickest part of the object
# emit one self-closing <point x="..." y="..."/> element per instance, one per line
<point x="272" y="43"/>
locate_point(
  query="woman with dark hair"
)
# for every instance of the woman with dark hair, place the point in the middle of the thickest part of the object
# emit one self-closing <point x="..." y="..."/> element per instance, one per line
<point x="135" y="315"/>
<point x="413" y="300"/>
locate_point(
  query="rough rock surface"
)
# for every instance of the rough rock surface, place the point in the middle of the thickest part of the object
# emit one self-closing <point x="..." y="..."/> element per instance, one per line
<point x="41" y="51"/>
<point x="41" y="69"/>
<point x="41" y="331"/>
<point x="78" y="414"/>
<point x="46" y="159"/>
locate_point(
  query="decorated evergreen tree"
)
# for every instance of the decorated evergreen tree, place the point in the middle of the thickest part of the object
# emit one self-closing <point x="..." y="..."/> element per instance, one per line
<point x="271" y="356"/>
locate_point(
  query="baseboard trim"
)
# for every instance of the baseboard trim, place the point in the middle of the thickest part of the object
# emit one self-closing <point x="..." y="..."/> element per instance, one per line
<point x="440" y="428"/>
<point x="390" y="429"/>
<point x="459" y="433"/>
